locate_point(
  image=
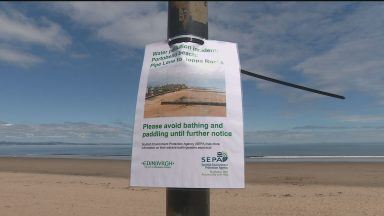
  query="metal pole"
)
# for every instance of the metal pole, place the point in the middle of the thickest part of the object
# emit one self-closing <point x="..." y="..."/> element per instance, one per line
<point x="187" y="21"/>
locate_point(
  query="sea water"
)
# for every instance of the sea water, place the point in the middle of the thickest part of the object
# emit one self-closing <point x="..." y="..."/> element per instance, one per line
<point x="257" y="152"/>
<point x="66" y="150"/>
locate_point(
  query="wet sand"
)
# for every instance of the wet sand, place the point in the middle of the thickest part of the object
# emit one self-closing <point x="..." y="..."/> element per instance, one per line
<point x="153" y="107"/>
<point x="32" y="186"/>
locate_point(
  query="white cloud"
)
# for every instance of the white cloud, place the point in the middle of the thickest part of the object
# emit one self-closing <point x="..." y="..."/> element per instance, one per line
<point x="271" y="29"/>
<point x="136" y="33"/>
<point x="77" y="55"/>
<point x="355" y="65"/>
<point x="100" y="13"/>
<point x="20" y="33"/>
<point x="132" y="24"/>
<point x="65" y="132"/>
<point x="15" y="27"/>
<point x="318" y="127"/>
<point x="18" y="58"/>
<point x="360" y="118"/>
<point x="336" y="47"/>
<point x="315" y="134"/>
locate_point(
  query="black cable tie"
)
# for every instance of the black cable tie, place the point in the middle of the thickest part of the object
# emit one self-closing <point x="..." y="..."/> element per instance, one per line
<point x="185" y="39"/>
<point x="291" y="84"/>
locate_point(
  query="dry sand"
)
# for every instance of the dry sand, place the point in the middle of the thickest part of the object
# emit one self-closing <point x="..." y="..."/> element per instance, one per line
<point x="47" y="187"/>
<point x="153" y="107"/>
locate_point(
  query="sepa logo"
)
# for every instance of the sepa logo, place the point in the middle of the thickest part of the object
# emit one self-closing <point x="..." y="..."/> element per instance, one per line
<point x="158" y="164"/>
<point x="221" y="157"/>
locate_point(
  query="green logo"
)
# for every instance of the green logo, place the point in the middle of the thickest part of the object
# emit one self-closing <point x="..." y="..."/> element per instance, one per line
<point x="220" y="157"/>
<point x="223" y="155"/>
<point x="158" y="164"/>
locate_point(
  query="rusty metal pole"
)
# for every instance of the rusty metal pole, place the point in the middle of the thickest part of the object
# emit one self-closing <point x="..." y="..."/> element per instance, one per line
<point x="187" y="22"/>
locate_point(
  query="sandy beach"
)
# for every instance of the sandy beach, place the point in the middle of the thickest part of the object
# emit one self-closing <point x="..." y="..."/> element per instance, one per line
<point x="45" y="187"/>
<point x="153" y="107"/>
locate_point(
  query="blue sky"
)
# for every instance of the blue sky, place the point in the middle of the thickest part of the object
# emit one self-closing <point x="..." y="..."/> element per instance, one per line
<point x="70" y="71"/>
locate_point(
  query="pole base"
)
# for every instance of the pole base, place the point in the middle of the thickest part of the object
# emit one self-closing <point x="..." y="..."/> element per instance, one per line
<point x="188" y="202"/>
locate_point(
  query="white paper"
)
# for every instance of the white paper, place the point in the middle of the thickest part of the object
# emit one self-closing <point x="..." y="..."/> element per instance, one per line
<point x="188" y="128"/>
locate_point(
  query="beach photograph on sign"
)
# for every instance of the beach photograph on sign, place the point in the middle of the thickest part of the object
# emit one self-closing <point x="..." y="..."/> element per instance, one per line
<point x="182" y="90"/>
